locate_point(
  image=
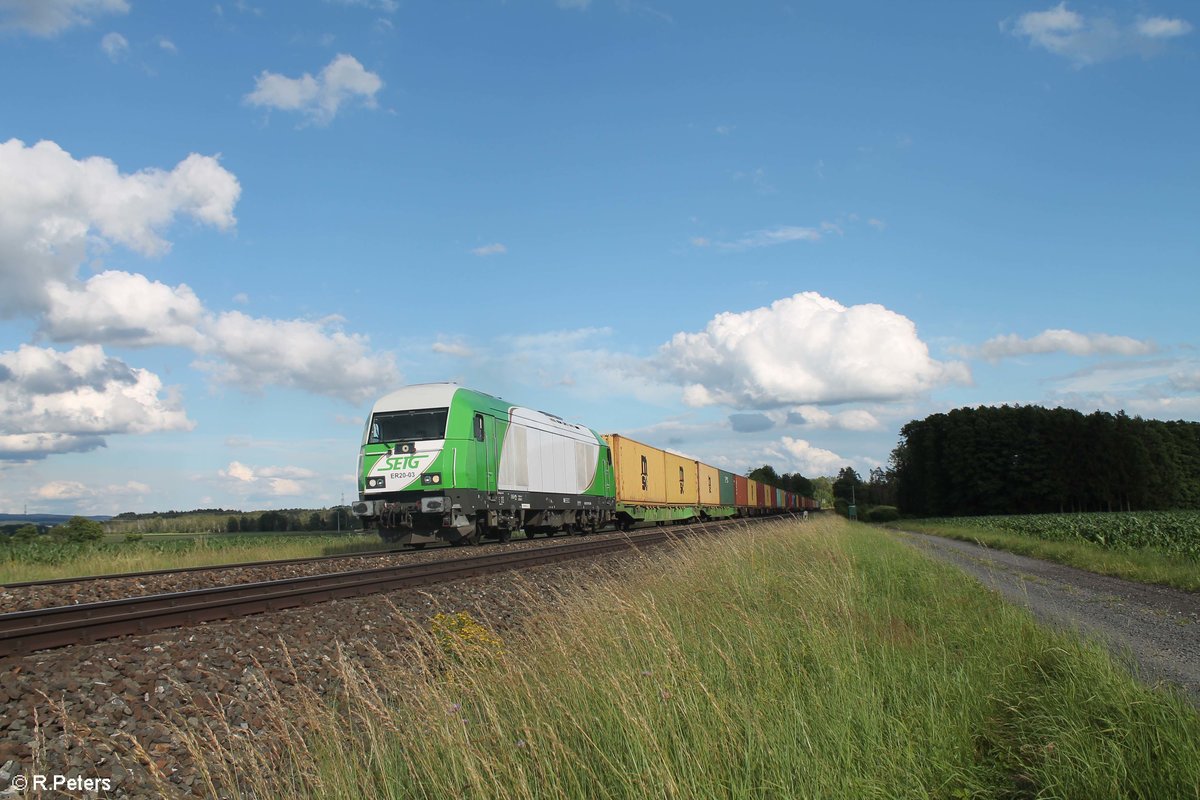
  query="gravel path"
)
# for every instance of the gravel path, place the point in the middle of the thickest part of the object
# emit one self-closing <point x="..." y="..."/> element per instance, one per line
<point x="1153" y="628"/>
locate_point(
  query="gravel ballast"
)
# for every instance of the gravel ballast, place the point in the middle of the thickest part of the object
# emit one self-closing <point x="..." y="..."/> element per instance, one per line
<point x="124" y="688"/>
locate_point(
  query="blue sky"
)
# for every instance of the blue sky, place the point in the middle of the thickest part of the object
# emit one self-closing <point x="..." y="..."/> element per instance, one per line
<point x="752" y="233"/>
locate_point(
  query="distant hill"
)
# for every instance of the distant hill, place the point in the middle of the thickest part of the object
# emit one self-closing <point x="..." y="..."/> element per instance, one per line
<point x="43" y="519"/>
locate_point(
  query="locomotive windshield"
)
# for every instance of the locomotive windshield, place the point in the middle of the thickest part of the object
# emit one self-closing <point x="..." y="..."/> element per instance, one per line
<point x="393" y="426"/>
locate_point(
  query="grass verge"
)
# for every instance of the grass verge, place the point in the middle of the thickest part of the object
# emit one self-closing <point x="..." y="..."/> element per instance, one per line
<point x="45" y="560"/>
<point x="1144" y="566"/>
<point x="816" y="660"/>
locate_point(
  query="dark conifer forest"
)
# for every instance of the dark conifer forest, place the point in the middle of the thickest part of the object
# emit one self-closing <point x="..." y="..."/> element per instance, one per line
<point x="1030" y="459"/>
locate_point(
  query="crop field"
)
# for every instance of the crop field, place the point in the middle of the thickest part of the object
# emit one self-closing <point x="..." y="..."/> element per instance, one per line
<point x="46" y="558"/>
<point x="1175" y="533"/>
<point x="820" y="659"/>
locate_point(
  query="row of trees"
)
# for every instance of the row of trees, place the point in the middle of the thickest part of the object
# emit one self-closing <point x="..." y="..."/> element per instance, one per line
<point x="338" y="518"/>
<point x="231" y="521"/>
<point x="1030" y="459"/>
<point x="788" y="481"/>
<point x="878" y="490"/>
<point x="76" y="529"/>
<point x="820" y="488"/>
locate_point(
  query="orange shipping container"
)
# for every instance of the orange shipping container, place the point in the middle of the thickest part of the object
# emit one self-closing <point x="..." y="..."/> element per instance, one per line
<point x="639" y="469"/>
<point x="680" y="480"/>
<point x="710" y="484"/>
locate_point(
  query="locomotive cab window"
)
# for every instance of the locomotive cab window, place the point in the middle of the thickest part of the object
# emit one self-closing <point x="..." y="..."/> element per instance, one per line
<point x="479" y="427"/>
<point x="393" y="426"/>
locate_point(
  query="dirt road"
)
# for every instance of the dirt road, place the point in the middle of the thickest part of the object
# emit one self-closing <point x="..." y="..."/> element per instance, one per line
<point x="1154" y="628"/>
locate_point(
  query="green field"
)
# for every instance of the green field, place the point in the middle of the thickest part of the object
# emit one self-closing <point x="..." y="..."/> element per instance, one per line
<point x="1148" y="546"/>
<point x="822" y="659"/>
<point x="45" y="558"/>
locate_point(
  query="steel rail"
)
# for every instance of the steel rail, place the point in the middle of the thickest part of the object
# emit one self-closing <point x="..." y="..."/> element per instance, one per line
<point x="41" y="629"/>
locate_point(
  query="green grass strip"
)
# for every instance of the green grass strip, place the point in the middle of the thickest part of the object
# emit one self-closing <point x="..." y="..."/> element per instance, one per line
<point x="45" y="559"/>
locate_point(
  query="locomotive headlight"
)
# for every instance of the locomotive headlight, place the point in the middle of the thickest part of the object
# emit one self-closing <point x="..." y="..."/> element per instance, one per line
<point x="375" y="482"/>
<point x="431" y="479"/>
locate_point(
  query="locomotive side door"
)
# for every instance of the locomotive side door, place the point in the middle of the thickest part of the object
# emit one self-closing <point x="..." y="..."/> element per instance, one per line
<point x="480" y="447"/>
<point x="491" y="448"/>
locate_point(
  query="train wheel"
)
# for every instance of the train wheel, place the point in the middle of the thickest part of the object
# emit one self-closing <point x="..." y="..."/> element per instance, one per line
<point x="504" y="534"/>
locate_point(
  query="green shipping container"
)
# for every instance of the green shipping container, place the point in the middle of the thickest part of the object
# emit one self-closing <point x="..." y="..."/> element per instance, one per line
<point x="727" y="497"/>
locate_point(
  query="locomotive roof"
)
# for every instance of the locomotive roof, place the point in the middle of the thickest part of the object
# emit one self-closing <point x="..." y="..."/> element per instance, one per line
<point x="421" y="395"/>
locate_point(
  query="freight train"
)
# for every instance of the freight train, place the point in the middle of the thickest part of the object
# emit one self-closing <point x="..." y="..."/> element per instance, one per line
<point x="442" y="462"/>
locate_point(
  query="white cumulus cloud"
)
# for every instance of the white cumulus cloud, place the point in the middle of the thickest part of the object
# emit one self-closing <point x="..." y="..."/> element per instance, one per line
<point x="854" y="419"/>
<point x="315" y="356"/>
<point x="123" y="308"/>
<point x="1089" y="40"/>
<point x="251" y="353"/>
<point x="53" y="207"/>
<point x="1064" y="341"/>
<point x="494" y="249"/>
<point x="804" y="350"/>
<point x="50" y="17"/>
<point x="238" y="472"/>
<point x="1163" y="27"/>
<point x="452" y="348"/>
<point x="763" y="238"/>
<point x="321" y="97"/>
<point x="810" y="459"/>
<point x="74" y="490"/>
<point x="115" y="46"/>
<point x="63" y="401"/>
<point x="386" y="6"/>
<point x="272" y="481"/>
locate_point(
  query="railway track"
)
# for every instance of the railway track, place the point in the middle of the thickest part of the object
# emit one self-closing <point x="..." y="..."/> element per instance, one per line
<point x="281" y="562"/>
<point x="28" y="631"/>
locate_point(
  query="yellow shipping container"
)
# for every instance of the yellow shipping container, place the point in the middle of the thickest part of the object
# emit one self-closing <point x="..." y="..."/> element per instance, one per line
<point x="639" y="469"/>
<point x="752" y="491"/>
<point x="710" y="484"/>
<point x="681" y="480"/>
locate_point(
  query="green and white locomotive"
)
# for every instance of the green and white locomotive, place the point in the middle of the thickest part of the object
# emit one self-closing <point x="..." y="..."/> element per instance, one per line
<point x="441" y="462"/>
